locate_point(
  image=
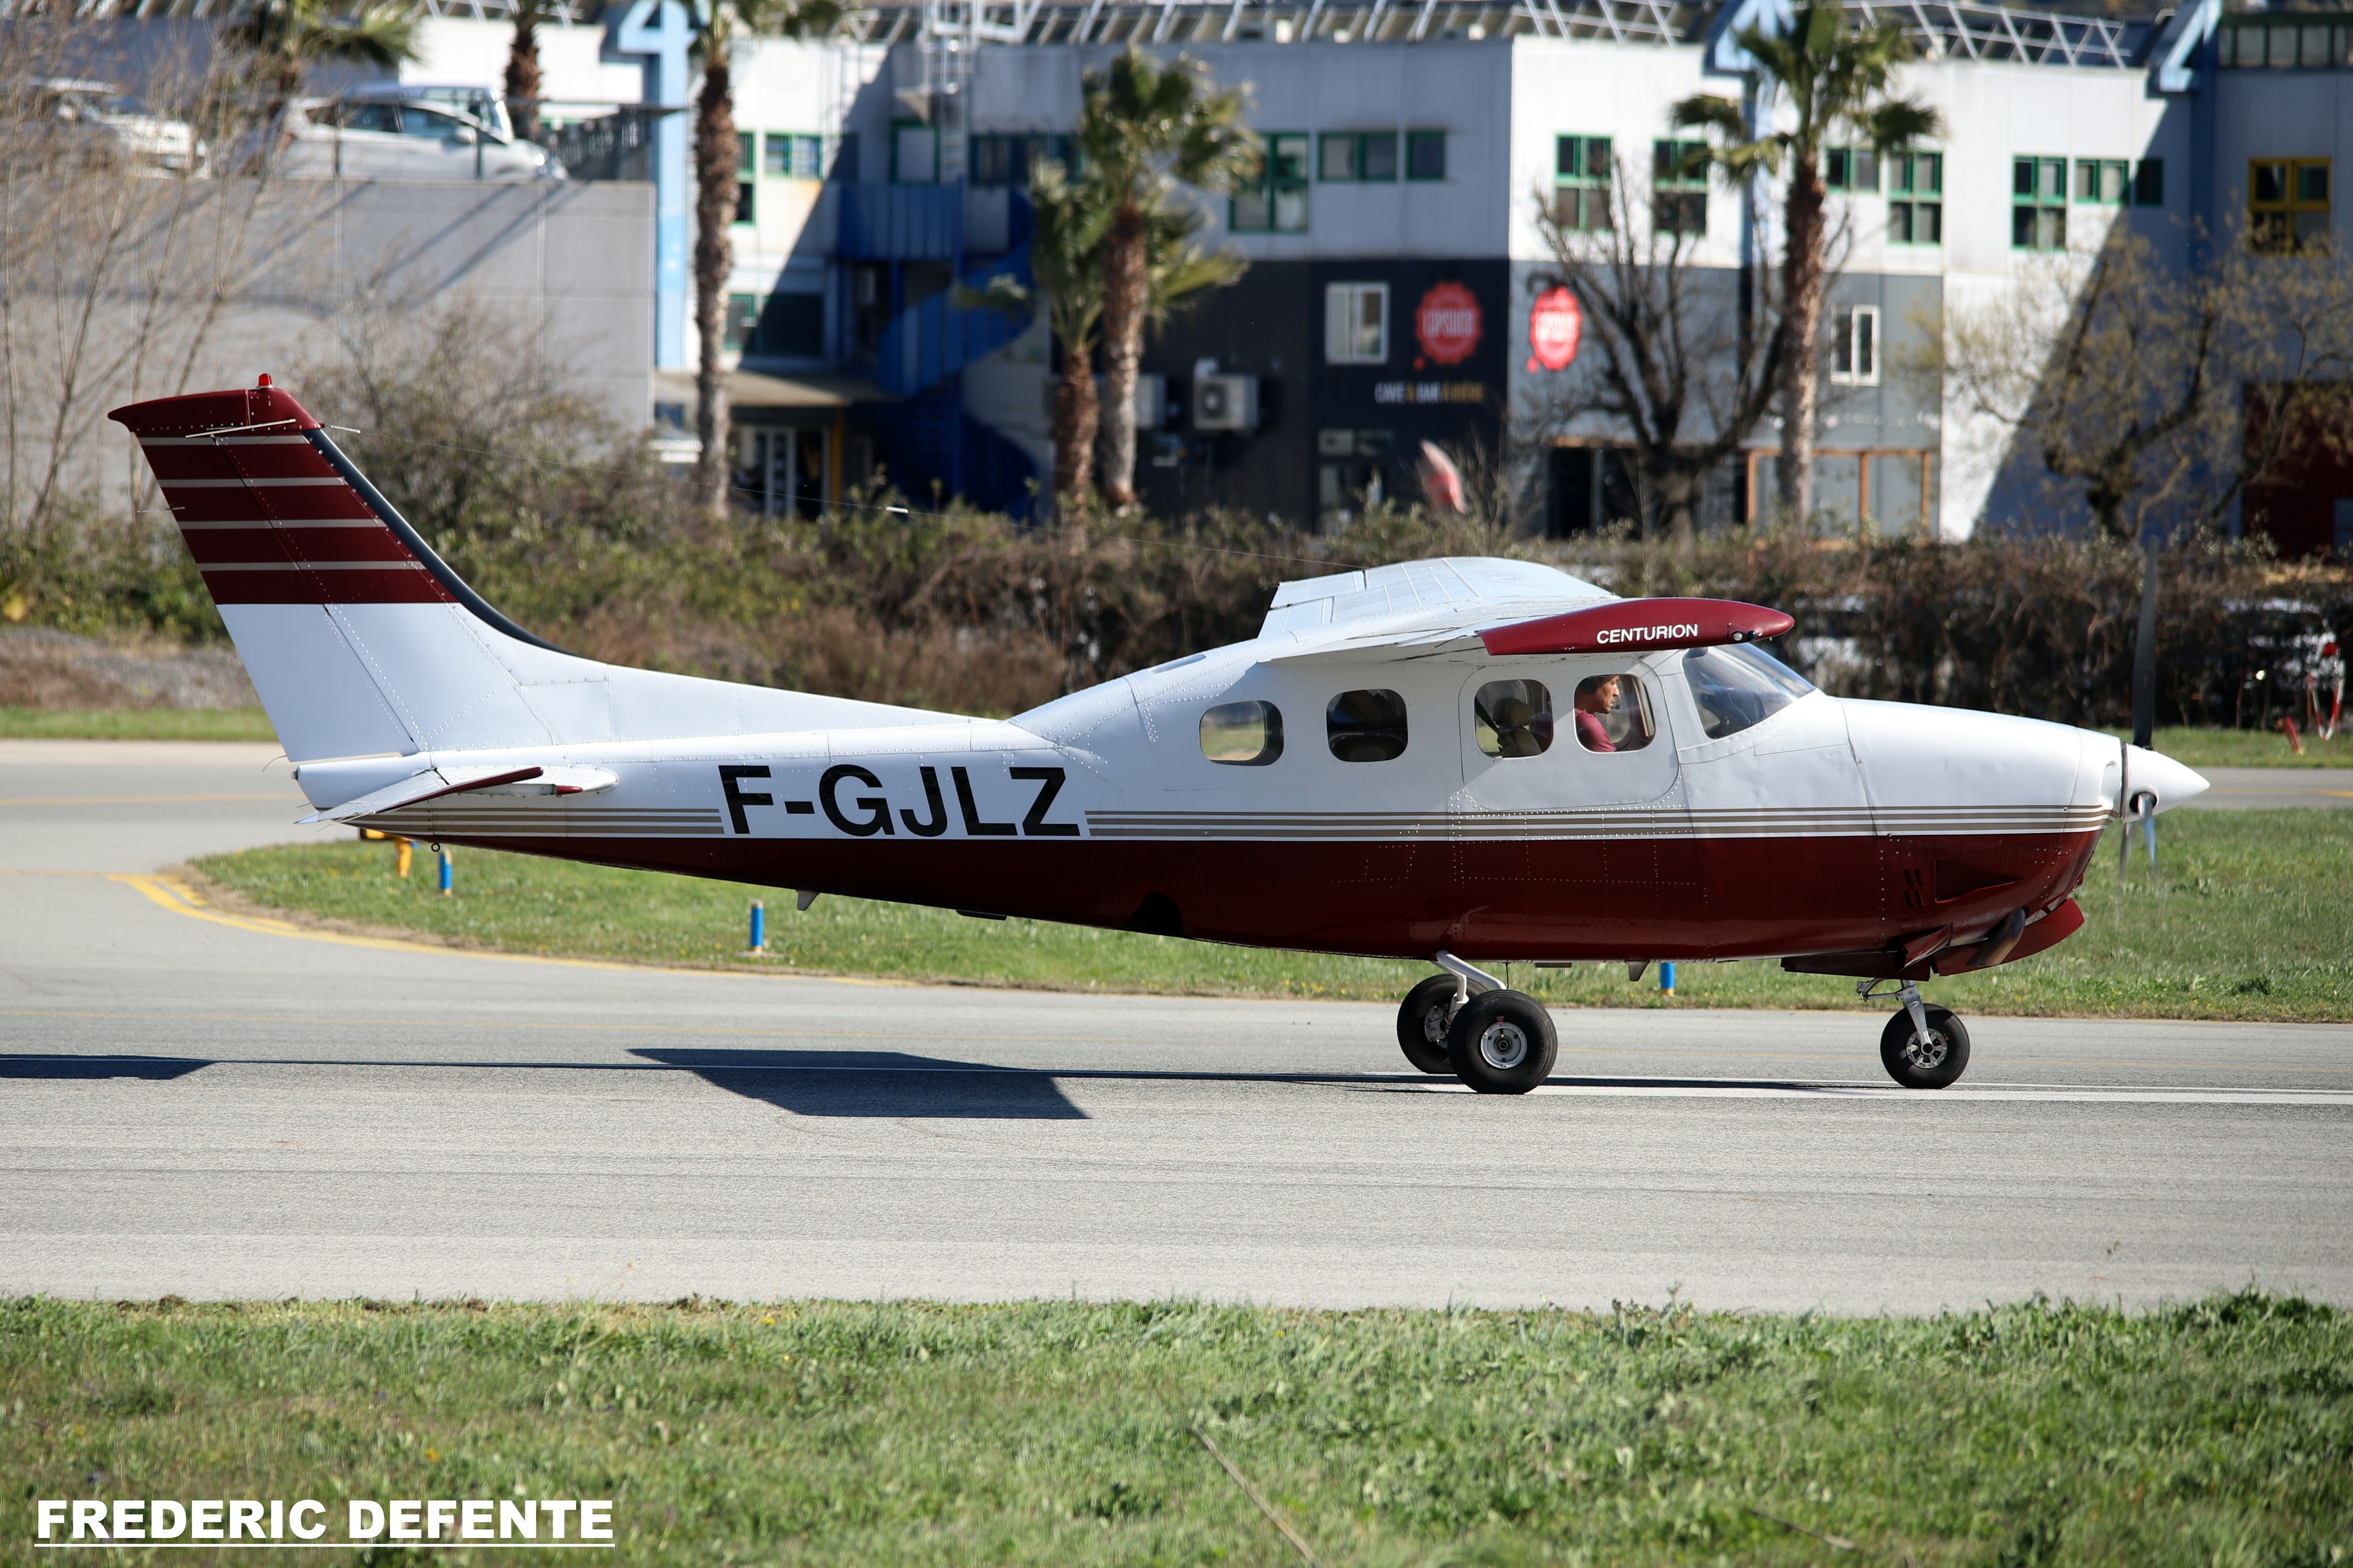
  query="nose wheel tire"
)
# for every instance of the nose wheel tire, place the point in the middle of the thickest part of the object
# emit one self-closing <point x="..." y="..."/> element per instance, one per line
<point x="1937" y="1062"/>
<point x="1422" y="1024"/>
<point x="1501" y="1042"/>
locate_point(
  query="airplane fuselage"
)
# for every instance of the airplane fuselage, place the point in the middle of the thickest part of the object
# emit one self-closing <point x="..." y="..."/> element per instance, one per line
<point x="1827" y="824"/>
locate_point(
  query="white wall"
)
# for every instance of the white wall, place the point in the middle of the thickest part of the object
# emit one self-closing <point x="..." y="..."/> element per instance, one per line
<point x="466" y="53"/>
<point x="2282" y="114"/>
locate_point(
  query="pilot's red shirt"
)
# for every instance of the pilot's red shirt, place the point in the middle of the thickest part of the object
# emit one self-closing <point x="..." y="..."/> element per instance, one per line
<point x="1590" y="733"/>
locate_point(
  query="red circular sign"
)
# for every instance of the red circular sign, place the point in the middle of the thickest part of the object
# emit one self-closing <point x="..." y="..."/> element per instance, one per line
<point x="1448" y="323"/>
<point x="1555" y="327"/>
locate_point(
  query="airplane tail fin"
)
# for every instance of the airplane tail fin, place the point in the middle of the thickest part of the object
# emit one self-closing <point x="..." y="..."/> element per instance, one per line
<point x="362" y="641"/>
<point x="359" y="639"/>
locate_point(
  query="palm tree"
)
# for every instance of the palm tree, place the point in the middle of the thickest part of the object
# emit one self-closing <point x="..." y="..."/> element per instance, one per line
<point x="717" y="24"/>
<point x="1066" y="258"/>
<point x="286" y="37"/>
<point x="522" y="69"/>
<point x="1835" y="77"/>
<point x="1146" y="128"/>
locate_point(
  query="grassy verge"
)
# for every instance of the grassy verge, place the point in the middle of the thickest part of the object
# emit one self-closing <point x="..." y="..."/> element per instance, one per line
<point x="135" y="724"/>
<point x="2250" y="748"/>
<point x="1063" y="1433"/>
<point x="2251" y="924"/>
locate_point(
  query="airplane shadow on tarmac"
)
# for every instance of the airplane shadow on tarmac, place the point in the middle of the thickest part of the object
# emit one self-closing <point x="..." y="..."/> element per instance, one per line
<point x="159" y="1069"/>
<point x="876" y="1083"/>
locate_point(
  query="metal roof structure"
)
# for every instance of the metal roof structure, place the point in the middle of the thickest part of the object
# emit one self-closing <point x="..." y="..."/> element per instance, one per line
<point x="1944" y="29"/>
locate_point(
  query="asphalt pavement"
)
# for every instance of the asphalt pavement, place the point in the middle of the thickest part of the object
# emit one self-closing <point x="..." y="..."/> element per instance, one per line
<point x="218" y="1107"/>
<point x="2242" y="789"/>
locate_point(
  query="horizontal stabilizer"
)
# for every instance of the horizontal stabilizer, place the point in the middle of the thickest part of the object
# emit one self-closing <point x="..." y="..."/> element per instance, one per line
<point x="435" y="783"/>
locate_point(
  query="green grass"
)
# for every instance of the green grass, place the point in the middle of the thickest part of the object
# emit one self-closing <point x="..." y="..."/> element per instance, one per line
<point x="2250" y="748"/>
<point x="2251" y="924"/>
<point x="135" y="724"/>
<point x="2217" y="1433"/>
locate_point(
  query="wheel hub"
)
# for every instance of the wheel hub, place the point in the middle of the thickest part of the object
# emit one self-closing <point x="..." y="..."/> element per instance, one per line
<point x="1503" y="1047"/>
<point x="1925" y="1054"/>
<point x="1433" y="1025"/>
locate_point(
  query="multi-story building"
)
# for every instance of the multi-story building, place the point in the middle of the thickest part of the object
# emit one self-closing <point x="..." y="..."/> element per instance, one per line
<point x="1397" y="261"/>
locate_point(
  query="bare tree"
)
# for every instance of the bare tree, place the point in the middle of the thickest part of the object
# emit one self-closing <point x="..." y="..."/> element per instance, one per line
<point x="1682" y="357"/>
<point x="2129" y="379"/>
<point x="116" y="261"/>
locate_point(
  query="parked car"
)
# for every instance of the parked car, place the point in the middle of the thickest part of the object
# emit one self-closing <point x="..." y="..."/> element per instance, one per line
<point x="392" y="136"/>
<point x="96" y="116"/>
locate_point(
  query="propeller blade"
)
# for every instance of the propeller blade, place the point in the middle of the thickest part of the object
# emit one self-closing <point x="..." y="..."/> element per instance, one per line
<point x="2124" y="820"/>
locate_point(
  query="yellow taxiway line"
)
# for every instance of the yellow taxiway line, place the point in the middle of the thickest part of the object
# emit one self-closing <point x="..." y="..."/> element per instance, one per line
<point x="175" y="895"/>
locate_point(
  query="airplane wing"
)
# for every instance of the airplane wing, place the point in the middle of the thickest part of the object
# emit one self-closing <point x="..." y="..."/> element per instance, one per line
<point x="1423" y="608"/>
<point x="1414" y="608"/>
<point x="435" y="783"/>
<point x="1458" y="587"/>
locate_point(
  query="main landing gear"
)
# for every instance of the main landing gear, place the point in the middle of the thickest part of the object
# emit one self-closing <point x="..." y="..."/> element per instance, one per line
<point x="1923" y="1046"/>
<point x="1498" y="1041"/>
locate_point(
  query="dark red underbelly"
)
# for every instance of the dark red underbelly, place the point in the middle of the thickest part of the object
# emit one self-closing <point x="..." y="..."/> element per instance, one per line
<point x="1489" y="899"/>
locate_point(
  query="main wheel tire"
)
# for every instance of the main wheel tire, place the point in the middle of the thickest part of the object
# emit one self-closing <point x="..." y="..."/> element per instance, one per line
<point x="1422" y="1024"/>
<point x="1937" y="1065"/>
<point x="1501" y="1042"/>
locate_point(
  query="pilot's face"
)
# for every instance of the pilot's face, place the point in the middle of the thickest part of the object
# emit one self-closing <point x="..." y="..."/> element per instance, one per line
<point x="1603" y="699"/>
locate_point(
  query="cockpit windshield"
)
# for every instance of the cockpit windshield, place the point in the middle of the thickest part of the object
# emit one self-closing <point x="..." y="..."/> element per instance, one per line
<point x="1738" y="686"/>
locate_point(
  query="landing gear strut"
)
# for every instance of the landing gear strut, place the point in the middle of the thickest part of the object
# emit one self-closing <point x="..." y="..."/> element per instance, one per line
<point x="1923" y="1046"/>
<point x="1498" y="1041"/>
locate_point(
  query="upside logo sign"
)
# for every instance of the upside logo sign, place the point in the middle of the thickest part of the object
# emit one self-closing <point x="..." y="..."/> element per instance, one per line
<point x="1555" y="326"/>
<point x="1647" y="634"/>
<point x="1448" y="323"/>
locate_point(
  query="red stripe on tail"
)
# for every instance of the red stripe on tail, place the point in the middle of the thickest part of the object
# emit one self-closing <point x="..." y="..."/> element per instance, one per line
<point x="267" y="518"/>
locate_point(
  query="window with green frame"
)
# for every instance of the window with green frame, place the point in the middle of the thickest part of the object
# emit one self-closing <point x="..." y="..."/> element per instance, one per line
<point x="745" y="142"/>
<point x="1357" y="155"/>
<point x="1276" y="202"/>
<point x="780" y="325"/>
<point x="1915" y="198"/>
<point x="1582" y="167"/>
<point x="793" y="156"/>
<point x="1851" y="168"/>
<point x="2287" y="204"/>
<point x="1007" y="160"/>
<point x="1425" y="154"/>
<point x="2148" y="182"/>
<point x="2038" y="203"/>
<point x="1679" y="186"/>
<point x="743" y="320"/>
<point x="2103" y="182"/>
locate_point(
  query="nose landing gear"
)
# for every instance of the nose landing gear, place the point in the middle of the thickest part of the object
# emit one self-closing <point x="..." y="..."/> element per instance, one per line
<point x="1923" y="1046"/>
<point x="1498" y="1042"/>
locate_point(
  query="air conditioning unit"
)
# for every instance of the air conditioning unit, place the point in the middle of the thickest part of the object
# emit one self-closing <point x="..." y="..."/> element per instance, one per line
<point x="1225" y="403"/>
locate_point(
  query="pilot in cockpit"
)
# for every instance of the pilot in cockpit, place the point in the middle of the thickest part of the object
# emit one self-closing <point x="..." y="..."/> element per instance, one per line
<point x="1596" y="696"/>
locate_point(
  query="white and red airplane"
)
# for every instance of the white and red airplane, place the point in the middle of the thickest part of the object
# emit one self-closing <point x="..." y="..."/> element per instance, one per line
<point x="1451" y="761"/>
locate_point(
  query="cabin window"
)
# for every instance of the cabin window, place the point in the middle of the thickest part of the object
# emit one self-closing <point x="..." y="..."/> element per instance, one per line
<point x="1737" y="687"/>
<point x="1613" y="713"/>
<point x="1242" y="734"/>
<point x="1512" y="718"/>
<point x="1365" y="726"/>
